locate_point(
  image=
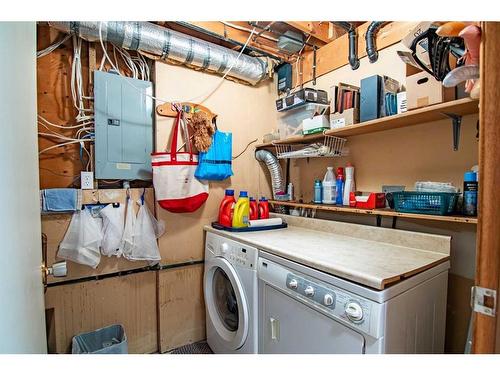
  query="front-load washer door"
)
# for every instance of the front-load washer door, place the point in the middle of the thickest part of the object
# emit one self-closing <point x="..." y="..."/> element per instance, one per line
<point x="226" y="302"/>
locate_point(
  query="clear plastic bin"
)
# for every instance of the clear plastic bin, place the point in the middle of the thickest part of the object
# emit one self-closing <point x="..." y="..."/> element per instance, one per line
<point x="290" y="121"/>
<point x="107" y="340"/>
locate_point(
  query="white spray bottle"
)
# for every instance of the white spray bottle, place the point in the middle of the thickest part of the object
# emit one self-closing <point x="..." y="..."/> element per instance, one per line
<point x="349" y="184"/>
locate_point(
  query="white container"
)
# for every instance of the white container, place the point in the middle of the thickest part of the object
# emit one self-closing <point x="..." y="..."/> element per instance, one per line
<point x="317" y="124"/>
<point x="349" y="184"/>
<point x="329" y="187"/>
<point x="290" y="121"/>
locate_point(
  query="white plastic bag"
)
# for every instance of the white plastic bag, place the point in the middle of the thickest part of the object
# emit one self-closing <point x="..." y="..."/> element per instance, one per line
<point x="145" y="232"/>
<point x="127" y="242"/>
<point x="82" y="240"/>
<point x="113" y="219"/>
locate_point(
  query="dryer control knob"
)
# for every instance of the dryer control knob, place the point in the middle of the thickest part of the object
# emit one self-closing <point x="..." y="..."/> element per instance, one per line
<point x="293" y="284"/>
<point x="354" y="312"/>
<point x="328" y="300"/>
<point x="309" y="291"/>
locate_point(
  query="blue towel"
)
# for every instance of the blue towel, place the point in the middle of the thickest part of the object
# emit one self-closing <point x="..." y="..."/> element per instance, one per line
<point x="59" y="200"/>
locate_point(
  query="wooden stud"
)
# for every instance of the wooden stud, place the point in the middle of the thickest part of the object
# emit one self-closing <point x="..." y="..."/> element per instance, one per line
<point x="486" y="337"/>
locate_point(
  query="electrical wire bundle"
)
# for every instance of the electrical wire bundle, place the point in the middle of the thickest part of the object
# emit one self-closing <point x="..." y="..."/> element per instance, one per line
<point x="83" y="129"/>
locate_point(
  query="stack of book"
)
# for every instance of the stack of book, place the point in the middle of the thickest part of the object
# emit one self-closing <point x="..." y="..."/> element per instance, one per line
<point x="344" y="105"/>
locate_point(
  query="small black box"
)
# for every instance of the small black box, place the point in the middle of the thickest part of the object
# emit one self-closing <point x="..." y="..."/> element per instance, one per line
<point x="370" y="98"/>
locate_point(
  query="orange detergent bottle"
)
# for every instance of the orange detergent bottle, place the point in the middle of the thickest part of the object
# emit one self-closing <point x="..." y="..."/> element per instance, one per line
<point x="226" y="208"/>
<point x="263" y="208"/>
<point x="254" y="209"/>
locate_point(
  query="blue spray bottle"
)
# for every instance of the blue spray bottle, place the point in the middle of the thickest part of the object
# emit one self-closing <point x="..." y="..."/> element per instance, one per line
<point x="340" y="186"/>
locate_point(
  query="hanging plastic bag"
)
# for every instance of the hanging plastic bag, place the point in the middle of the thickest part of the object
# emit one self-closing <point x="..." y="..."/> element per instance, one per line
<point x="215" y="164"/>
<point x="113" y="219"/>
<point x="145" y="233"/>
<point x="127" y="242"/>
<point x="82" y="240"/>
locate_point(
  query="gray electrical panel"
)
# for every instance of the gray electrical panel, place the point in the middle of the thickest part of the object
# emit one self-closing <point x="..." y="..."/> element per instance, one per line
<point x="123" y="117"/>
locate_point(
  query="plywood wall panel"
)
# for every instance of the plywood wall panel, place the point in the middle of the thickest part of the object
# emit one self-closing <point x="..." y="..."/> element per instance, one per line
<point x="246" y="111"/>
<point x="127" y="300"/>
<point x="54" y="226"/>
<point x="181" y="306"/>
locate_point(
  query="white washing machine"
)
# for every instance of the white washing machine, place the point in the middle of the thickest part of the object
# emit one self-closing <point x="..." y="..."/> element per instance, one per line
<point x="303" y="310"/>
<point x="230" y="286"/>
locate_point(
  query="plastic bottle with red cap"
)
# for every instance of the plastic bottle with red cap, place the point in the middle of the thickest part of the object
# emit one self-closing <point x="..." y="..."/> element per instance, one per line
<point x="263" y="208"/>
<point x="226" y="208"/>
<point x="254" y="209"/>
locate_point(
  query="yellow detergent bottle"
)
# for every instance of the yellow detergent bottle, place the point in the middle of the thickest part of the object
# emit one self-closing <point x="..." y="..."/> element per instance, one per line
<point x="241" y="211"/>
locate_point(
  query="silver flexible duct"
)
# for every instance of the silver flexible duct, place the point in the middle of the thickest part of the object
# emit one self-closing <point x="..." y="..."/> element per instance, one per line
<point x="166" y="43"/>
<point x="276" y="173"/>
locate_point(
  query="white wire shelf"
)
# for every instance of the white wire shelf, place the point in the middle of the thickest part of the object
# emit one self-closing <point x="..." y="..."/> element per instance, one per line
<point x="330" y="146"/>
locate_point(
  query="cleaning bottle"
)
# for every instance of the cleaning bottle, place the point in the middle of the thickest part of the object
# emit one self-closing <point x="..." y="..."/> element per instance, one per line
<point x="241" y="211"/>
<point x="226" y="208"/>
<point x="318" y="192"/>
<point x="348" y="184"/>
<point x="254" y="209"/>
<point x="340" y="186"/>
<point x="263" y="208"/>
<point x="329" y="187"/>
<point x="470" y="194"/>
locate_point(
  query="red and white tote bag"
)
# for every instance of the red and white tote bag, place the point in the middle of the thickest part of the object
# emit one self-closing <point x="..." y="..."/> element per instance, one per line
<point x="176" y="188"/>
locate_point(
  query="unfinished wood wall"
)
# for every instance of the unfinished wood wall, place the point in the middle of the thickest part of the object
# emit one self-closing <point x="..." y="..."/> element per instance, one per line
<point x="248" y="112"/>
<point x="177" y="310"/>
<point x="82" y="307"/>
<point x="59" y="167"/>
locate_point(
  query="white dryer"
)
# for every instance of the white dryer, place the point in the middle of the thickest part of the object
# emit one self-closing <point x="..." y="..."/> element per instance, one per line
<point x="230" y="286"/>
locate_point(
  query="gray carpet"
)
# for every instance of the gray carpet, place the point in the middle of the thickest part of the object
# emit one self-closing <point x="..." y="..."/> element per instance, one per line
<point x="195" y="348"/>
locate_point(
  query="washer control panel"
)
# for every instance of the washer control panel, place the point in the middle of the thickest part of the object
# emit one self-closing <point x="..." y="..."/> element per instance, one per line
<point x="236" y="253"/>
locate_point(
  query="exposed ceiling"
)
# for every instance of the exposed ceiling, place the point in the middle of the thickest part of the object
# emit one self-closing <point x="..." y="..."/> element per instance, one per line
<point x="233" y="34"/>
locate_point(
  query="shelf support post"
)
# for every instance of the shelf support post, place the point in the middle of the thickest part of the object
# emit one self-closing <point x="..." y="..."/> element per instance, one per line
<point x="456" y="122"/>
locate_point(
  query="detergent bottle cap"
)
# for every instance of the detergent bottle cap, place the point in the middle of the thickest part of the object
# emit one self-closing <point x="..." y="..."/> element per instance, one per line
<point x="243" y="193"/>
<point x="252" y="199"/>
<point x="340" y="172"/>
<point x="263" y="199"/>
<point x="470" y="176"/>
<point x="230" y="192"/>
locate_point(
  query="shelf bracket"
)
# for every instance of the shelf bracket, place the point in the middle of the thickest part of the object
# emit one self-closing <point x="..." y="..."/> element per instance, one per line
<point x="394" y="221"/>
<point x="379" y="220"/>
<point x="456" y="122"/>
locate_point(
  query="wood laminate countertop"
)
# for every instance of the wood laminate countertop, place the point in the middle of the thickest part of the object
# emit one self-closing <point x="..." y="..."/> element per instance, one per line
<point x="372" y="256"/>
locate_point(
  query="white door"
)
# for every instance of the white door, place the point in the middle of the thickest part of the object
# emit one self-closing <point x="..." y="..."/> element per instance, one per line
<point x="22" y="311"/>
<point x="226" y="303"/>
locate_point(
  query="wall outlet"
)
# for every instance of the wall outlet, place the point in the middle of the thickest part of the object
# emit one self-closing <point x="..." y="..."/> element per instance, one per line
<point x="87" y="180"/>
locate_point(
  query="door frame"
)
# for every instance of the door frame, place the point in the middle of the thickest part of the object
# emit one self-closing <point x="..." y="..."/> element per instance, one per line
<point x="486" y="333"/>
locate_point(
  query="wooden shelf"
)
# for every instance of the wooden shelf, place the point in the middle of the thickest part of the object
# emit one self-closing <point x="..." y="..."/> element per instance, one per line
<point x="435" y="112"/>
<point x="377" y="212"/>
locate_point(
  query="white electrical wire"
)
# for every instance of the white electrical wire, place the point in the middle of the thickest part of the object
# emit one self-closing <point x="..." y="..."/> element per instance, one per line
<point x="209" y="93"/>
<point x="241" y="28"/>
<point x="64" y="144"/>
<point x="52" y="47"/>
<point x="47" y="122"/>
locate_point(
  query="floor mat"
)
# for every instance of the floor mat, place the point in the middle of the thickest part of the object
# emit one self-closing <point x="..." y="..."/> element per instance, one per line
<point x="196" y="348"/>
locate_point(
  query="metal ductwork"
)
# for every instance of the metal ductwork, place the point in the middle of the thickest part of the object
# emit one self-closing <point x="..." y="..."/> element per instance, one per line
<point x="169" y="44"/>
<point x="353" y="43"/>
<point x="371" y="34"/>
<point x="276" y="173"/>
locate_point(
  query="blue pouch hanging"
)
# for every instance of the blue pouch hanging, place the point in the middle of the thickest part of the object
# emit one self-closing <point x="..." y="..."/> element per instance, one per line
<point x="216" y="163"/>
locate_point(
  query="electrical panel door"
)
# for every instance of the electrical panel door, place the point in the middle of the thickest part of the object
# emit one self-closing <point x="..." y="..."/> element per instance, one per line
<point x="123" y="127"/>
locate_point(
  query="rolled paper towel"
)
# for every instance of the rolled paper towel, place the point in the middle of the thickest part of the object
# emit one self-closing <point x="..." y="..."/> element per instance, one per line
<point x="265" y="222"/>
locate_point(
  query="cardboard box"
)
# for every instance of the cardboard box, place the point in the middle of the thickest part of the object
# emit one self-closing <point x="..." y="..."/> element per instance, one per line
<point x="317" y="124"/>
<point x="348" y="117"/>
<point x="423" y="90"/>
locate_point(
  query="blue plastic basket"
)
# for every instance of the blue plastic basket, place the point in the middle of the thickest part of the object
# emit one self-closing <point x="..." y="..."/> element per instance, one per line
<point x="425" y="202"/>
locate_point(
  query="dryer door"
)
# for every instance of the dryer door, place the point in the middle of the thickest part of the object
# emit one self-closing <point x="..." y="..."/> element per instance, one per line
<point x="226" y="302"/>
